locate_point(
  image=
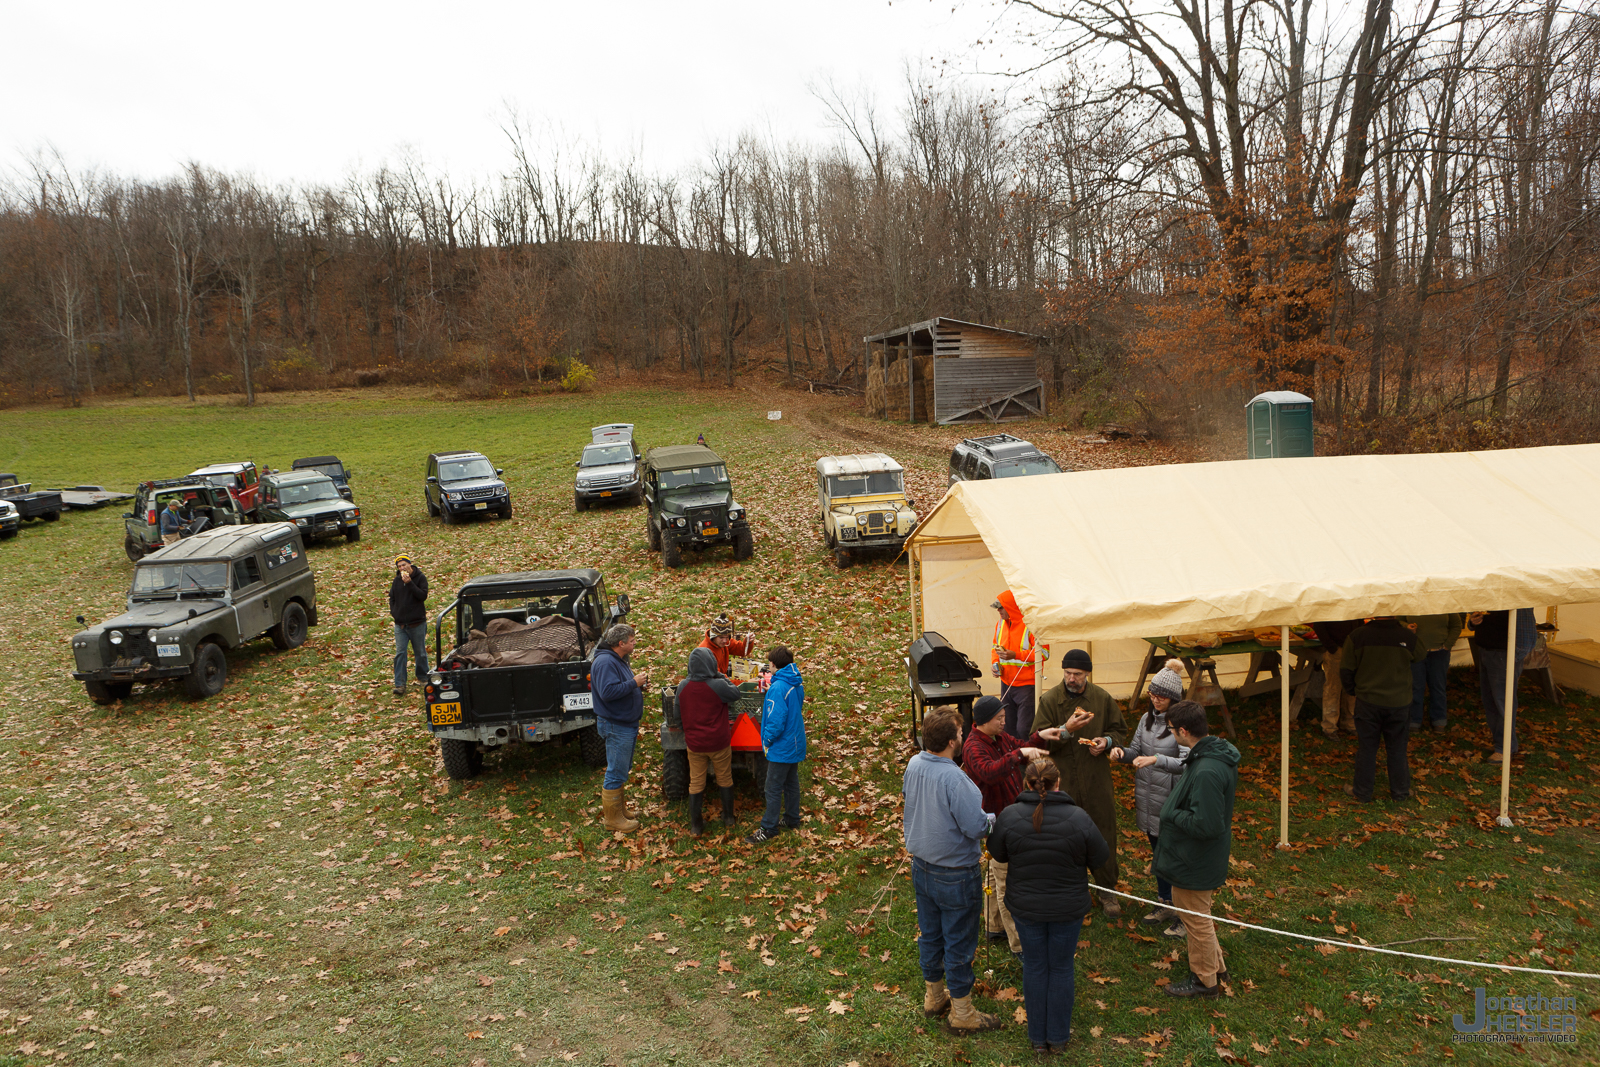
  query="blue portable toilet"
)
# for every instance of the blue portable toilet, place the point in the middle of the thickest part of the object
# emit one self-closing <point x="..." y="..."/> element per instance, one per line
<point x="1278" y="424"/>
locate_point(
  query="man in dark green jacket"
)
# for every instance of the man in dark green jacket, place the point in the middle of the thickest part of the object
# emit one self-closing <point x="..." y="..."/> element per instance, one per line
<point x="1375" y="668"/>
<point x="1192" y="848"/>
<point x="1082" y="723"/>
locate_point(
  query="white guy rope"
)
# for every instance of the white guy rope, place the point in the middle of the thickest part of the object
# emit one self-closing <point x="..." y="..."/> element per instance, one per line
<point x="1344" y="944"/>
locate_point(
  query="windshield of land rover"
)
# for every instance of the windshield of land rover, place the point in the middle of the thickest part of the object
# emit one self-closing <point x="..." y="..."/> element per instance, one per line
<point x="332" y="470"/>
<point x="865" y="484"/>
<point x="712" y="475"/>
<point x="460" y="470"/>
<point x="1030" y="465"/>
<point x="168" y="579"/>
<point x="306" y="494"/>
<point x="603" y="455"/>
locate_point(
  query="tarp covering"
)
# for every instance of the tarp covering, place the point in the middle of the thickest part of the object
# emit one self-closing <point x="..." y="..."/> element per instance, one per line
<point x="1148" y="551"/>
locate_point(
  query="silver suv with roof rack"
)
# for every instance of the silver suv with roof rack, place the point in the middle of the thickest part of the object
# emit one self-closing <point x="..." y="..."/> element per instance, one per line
<point x="998" y="456"/>
<point x="608" y="470"/>
<point x="192" y="601"/>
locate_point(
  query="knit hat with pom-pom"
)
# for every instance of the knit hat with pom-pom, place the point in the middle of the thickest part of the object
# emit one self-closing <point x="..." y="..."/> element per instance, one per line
<point x="1168" y="682"/>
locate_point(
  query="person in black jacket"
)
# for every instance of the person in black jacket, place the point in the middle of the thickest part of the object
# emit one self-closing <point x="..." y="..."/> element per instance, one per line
<point x="408" y="594"/>
<point x="1375" y="667"/>
<point x="1050" y="845"/>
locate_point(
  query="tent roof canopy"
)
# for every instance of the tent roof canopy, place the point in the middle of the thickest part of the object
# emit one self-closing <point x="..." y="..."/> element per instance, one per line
<point x="1151" y="551"/>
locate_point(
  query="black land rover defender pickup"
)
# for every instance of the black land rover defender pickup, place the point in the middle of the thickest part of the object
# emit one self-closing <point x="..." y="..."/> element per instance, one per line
<point x="518" y="666"/>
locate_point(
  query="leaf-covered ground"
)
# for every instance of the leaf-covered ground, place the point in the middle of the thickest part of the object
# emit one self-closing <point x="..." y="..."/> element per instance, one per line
<point x="284" y="875"/>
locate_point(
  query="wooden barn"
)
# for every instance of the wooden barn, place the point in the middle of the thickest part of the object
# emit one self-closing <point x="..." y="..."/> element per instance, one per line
<point x="950" y="371"/>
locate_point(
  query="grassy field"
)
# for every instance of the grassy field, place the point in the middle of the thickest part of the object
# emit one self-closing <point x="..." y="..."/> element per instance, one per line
<point x="284" y="875"/>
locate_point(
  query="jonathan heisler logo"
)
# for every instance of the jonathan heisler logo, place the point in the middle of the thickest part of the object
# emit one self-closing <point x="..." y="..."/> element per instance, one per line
<point x="1516" y="1020"/>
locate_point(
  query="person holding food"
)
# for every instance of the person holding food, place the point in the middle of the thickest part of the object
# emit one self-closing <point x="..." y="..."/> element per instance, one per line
<point x="705" y="699"/>
<point x="723" y="645"/>
<point x="995" y="761"/>
<point x="1157" y="759"/>
<point x="1081" y="724"/>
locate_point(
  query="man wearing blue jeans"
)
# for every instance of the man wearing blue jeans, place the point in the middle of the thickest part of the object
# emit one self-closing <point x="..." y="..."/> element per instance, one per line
<point x="783" y="739"/>
<point x="1438" y="634"/>
<point x="408" y="595"/>
<point x="1489" y="647"/>
<point x="944" y="827"/>
<point x="618" y="696"/>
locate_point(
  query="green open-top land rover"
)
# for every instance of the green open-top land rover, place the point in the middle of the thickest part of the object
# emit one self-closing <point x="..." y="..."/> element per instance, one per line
<point x="691" y="505"/>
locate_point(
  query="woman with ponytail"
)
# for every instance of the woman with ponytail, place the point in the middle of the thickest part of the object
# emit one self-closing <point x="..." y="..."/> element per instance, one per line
<point x="1157" y="760"/>
<point x="1050" y="845"/>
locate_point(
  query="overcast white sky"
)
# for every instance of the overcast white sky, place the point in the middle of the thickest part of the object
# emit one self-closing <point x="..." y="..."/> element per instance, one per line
<point x="299" y="90"/>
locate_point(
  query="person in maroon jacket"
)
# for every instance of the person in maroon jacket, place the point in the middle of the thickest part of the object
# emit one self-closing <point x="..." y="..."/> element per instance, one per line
<point x="704" y="699"/>
<point x="995" y="760"/>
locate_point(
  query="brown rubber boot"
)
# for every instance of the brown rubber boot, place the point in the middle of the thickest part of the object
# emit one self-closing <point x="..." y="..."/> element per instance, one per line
<point x="935" y="1000"/>
<point x="615" y="811"/>
<point x="965" y="1019"/>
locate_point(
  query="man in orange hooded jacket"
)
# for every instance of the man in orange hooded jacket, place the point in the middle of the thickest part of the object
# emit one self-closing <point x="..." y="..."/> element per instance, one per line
<point x="1012" y="662"/>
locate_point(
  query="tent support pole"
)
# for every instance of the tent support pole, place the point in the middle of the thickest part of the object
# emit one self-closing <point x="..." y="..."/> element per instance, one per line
<point x="1507" y="718"/>
<point x="1283" y="738"/>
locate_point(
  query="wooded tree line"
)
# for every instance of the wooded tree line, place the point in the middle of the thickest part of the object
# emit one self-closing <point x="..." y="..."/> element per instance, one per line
<point x="1391" y="209"/>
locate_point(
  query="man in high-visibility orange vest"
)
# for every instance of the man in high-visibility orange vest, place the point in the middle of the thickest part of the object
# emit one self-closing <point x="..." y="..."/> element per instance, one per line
<point x="1012" y="662"/>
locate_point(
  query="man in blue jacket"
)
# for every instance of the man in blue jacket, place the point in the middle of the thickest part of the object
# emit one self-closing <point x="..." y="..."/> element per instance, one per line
<point x="783" y="738"/>
<point x="618" y="706"/>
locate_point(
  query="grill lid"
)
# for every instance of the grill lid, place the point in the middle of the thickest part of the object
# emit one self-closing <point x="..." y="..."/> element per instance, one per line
<point x="933" y="659"/>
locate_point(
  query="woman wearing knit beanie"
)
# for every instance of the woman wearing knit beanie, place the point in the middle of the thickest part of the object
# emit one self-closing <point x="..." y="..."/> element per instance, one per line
<point x="1157" y="760"/>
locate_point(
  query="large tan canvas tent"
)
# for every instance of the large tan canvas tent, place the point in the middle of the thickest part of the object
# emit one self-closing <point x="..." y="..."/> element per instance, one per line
<point x="1108" y="557"/>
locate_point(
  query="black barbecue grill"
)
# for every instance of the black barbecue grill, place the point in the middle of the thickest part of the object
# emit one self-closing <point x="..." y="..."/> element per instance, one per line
<point x="940" y="673"/>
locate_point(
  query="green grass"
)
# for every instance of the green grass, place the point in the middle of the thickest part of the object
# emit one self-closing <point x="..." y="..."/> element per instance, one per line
<point x="284" y="875"/>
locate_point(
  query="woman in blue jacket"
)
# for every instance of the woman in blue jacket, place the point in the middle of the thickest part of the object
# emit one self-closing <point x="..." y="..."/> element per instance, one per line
<point x="783" y="737"/>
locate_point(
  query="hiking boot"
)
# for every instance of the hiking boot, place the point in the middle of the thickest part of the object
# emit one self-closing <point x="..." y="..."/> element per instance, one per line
<point x="697" y="823"/>
<point x="1193" y="987"/>
<point x="1159" y="916"/>
<point x="965" y="1019"/>
<point x="399" y="690"/>
<point x="1350" y="791"/>
<point x="1110" y="906"/>
<point x="727" y="807"/>
<point x="615" y="811"/>
<point x="1176" y="930"/>
<point x="935" y="999"/>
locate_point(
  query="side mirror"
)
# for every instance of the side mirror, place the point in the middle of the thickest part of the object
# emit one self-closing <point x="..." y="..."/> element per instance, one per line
<point x="432" y="480"/>
<point x="498" y="471"/>
<point x="129" y="515"/>
<point x="578" y="464"/>
<point x="81" y="621"/>
<point x="623" y="606"/>
<point x="910" y="503"/>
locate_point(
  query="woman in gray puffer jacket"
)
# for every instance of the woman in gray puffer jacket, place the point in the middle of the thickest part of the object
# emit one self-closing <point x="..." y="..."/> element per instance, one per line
<point x="1157" y="760"/>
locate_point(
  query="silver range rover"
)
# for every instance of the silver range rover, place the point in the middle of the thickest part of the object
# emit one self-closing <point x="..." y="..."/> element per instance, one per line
<point x="608" y="470"/>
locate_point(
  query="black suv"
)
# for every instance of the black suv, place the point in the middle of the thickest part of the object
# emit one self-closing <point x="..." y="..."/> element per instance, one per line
<point x="460" y="484"/>
<point x="997" y="456"/>
<point x="330" y="466"/>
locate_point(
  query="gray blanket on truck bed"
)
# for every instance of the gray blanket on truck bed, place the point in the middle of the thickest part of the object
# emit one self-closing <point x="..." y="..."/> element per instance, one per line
<point x="504" y="643"/>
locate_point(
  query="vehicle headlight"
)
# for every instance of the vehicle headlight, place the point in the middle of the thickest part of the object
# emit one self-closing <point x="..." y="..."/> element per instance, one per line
<point x="116" y="637"/>
<point x="302" y="522"/>
<point x="351" y="514"/>
<point x="452" y="496"/>
<point x="861" y="520"/>
<point x="680" y="522"/>
<point x="736" y="513"/>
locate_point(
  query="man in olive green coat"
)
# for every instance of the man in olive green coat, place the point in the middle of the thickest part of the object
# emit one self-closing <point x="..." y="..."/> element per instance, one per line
<point x="1081" y="723"/>
<point x="1192" y="847"/>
